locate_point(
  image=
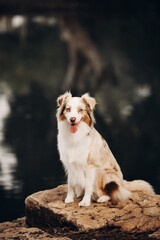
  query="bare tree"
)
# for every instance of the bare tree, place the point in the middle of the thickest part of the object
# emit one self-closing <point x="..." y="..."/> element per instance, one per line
<point x="85" y="60"/>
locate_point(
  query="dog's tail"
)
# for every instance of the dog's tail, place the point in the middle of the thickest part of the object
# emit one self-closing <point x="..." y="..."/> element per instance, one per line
<point x="116" y="191"/>
<point x="120" y="192"/>
<point x="139" y="185"/>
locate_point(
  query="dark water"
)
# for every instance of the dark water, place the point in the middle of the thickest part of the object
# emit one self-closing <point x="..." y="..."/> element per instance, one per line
<point x="29" y="158"/>
<point x="33" y="65"/>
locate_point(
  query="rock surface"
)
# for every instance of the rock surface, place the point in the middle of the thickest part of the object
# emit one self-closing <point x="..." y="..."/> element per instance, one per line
<point x="139" y="214"/>
<point x="19" y="230"/>
<point x="50" y="218"/>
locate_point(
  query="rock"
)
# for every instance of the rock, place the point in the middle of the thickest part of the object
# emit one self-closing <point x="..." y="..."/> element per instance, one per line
<point x="140" y="214"/>
<point x="50" y="218"/>
<point x="155" y="235"/>
<point x="19" y="230"/>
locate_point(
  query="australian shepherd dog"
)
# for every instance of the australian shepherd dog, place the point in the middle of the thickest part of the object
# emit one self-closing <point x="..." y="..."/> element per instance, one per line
<point x="92" y="171"/>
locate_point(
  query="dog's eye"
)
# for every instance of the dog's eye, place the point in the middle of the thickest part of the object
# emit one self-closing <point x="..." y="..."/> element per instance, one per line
<point x="68" y="109"/>
<point x="80" y="110"/>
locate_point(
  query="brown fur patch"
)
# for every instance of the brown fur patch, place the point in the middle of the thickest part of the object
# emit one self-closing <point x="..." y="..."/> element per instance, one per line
<point x="86" y="115"/>
<point x="86" y="104"/>
<point x="100" y="185"/>
<point x="61" y="114"/>
<point x="87" y="118"/>
<point x="68" y="109"/>
<point x="115" y="169"/>
<point x="79" y="109"/>
<point x="110" y="188"/>
<point x="60" y="101"/>
<point x="111" y="172"/>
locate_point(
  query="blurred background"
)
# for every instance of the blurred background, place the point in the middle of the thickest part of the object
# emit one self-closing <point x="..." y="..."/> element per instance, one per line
<point x="107" y="48"/>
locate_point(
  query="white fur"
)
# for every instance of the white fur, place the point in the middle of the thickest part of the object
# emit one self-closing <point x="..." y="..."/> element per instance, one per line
<point x="103" y="198"/>
<point x="74" y="152"/>
<point x="76" y="148"/>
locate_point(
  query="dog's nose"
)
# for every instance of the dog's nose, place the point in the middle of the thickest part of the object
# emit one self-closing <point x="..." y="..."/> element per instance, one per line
<point x="72" y="119"/>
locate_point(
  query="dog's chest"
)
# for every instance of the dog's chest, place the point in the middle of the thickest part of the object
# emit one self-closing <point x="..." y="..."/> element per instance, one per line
<point x="74" y="151"/>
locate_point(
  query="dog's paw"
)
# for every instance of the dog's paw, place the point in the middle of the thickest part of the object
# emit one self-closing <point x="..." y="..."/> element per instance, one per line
<point x="103" y="199"/>
<point x="84" y="203"/>
<point x="69" y="200"/>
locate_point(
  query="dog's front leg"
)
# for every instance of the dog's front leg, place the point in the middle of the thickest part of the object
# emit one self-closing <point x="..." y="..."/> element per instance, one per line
<point x="89" y="183"/>
<point x="86" y="201"/>
<point x="70" y="194"/>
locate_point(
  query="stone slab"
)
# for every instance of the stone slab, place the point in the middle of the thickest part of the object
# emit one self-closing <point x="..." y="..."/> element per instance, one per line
<point x="141" y="213"/>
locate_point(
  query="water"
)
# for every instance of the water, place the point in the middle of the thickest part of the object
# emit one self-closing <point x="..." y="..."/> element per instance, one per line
<point x="8" y="161"/>
<point x="35" y="63"/>
<point x="28" y="154"/>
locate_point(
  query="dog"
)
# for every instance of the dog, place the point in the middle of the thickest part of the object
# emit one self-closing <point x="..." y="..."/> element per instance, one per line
<point x="92" y="171"/>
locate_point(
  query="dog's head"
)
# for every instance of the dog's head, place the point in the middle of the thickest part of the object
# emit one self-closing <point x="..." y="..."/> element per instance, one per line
<point x="75" y="110"/>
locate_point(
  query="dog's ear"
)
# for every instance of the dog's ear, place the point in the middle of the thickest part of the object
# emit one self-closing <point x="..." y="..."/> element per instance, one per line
<point x="62" y="98"/>
<point x="89" y="100"/>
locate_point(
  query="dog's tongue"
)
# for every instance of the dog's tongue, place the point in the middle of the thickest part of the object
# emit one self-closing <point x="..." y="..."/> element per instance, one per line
<point x="73" y="128"/>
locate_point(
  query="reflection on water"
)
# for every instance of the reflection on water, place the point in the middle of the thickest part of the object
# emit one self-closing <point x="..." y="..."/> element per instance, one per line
<point x="29" y="127"/>
<point x="8" y="160"/>
<point x="8" y="163"/>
